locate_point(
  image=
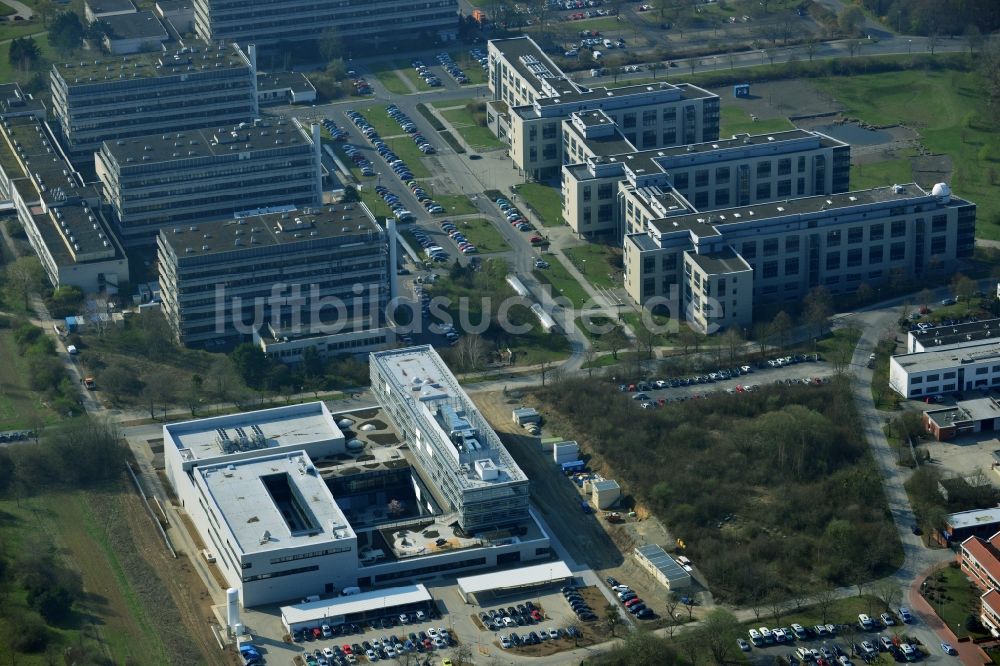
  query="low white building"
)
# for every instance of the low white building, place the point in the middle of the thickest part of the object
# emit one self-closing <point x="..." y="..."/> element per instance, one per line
<point x="605" y="493"/>
<point x="949" y="368"/>
<point x="663" y="567"/>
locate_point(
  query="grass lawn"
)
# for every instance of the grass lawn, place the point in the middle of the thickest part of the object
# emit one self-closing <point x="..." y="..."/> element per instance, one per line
<point x="953" y="598"/>
<point x="9" y="31"/>
<point x="385" y="72"/>
<point x="20" y="407"/>
<point x="411" y="74"/>
<point x="475" y="135"/>
<point x="842" y="340"/>
<point x="408" y="152"/>
<point x="635" y="320"/>
<point x="737" y="121"/>
<point x="380" y="120"/>
<point x="563" y="284"/>
<point x="879" y="174"/>
<point x="948" y="109"/>
<point x="452" y="103"/>
<point x="593" y="260"/>
<point x="454" y="204"/>
<point x="544" y="200"/>
<point x="118" y="616"/>
<point x="483" y="235"/>
<point x="473" y="70"/>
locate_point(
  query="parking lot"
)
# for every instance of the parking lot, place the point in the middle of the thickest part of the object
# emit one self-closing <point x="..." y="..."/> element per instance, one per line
<point x="801" y="369"/>
<point x="864" y="640"/>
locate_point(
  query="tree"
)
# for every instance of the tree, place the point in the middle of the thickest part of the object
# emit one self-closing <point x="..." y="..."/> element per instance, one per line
<point x="159" y="390"/>
<point x="963" y="287"/>
<point x="850" y="20"/>
<point x="612" y="618"/>
<point x="614" y="341"/>
<point x="25" y="275"/>
<point x="655" y="67"/>
<point x="973" y="38"/>
<point x="853" y="46"/>
<point x="811" y="47"/>
<point x="781" y="328"/>
<point x="886" y="591"/>
<point x="23" y="52"/>
<point x="45" y="9"/>
<point x="672" y="602"/>
<point x="825" y="600"/>
<point x="251" y="364"/>
<point x="733" y="339"/>
<point x="119" y="379"/>
<point x="818" y="308"/>
<point x="589" y="356"/>
<point x="330" y="44"/>
<point x="720" y="629"/>
<point x="864" y="294"/>
<point x="66" y="32"/>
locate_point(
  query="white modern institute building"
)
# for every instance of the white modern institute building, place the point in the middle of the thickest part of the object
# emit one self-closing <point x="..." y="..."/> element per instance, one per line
<point x="296" y="501"/>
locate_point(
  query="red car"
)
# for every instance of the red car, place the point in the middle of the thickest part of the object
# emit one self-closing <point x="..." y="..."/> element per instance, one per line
<point x="346" y="648"/>
<point x="633" y="602"/>
<point x="317" y="633"/>
<point x="536" y="616"/>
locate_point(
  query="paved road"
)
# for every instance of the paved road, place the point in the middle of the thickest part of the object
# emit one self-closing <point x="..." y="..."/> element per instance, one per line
<point x="19" y="8"/>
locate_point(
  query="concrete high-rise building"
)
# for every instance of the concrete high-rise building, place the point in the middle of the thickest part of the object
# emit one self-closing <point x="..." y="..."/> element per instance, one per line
<point x="182" y="178"/>
<point x="289" y="280"/>
<point x="268" y="22"/>
<point x="56" y="209"/>
<point x="607" y="191"/>
<point x="103" y="98"/>
<point x="720" y="264"/>
<point x="532" y="96"/>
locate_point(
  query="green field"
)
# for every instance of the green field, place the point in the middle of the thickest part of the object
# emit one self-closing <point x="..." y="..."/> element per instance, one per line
<point x="736" y="121"/>
<point x="953" y="598"/>
<point x="454" y="204"/>
<point x="593" y="261"/>
<point x="948" y="109"/>
<point x="113" y="612"/>
<point x="473" y="70"/>
<point x="20" y="407"/>
<point x="380" y="120"/>
<point x="407" y="151"/>
<point x="411" y="74"/>
<point x="563" y="284"/>
<point x="477" y="136"/>
<point x="385" y="72"/>
<point x="546" y="201"/>
<point x="483" y="235"/>
<point x="10" y="73"/>
<point x="880" y="174"/>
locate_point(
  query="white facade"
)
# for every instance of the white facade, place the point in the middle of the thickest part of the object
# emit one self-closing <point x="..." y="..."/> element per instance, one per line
<point x="947" y="369"/>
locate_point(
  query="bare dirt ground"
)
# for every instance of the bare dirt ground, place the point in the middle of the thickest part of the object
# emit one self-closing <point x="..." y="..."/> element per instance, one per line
<point x="178" y="577"/>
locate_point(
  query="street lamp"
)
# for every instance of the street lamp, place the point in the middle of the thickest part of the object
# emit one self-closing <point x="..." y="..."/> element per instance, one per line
<point x="909" y="46"/>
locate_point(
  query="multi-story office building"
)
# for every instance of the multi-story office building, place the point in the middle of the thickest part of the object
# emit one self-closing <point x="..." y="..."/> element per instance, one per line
<point x="290" y="280"/>
<point x="267" y="22"/>
<point x="608" y="191"/>
<point x="101" y="98"/>
<point x="925" y="337"/>
<point x="452" y="442"/>
<point x="531" y="98"/>
<point x="183" y="178"/>
<point x="55" y="208"/>
<point x="837" y="241"/>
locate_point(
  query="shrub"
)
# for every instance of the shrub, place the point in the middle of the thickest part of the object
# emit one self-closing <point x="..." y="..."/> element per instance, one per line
<point x="29" y="634"/>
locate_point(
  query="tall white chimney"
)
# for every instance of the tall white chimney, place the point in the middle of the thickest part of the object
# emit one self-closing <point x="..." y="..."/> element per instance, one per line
<point x="232" y="608"/>
<point x="391" y="227"/>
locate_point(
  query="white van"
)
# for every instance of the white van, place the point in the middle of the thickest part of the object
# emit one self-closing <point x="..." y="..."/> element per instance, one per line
<point x="348" y="591"/>
<point x="597" y="55"/>
<point x="608" y="44"/>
